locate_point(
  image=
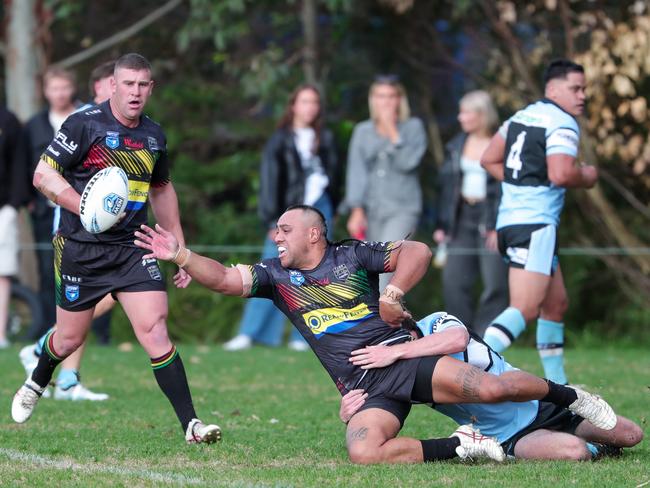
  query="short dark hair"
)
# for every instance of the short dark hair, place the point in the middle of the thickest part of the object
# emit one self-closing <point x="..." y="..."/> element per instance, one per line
<point x="133" y="61"/>
<point x="309" y="208"/>
<point x="100" y="72"/>
<point x="560" y="68"/>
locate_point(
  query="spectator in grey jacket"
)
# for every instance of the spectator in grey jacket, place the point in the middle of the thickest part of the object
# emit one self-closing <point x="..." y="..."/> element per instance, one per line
<point x="382" y="185"/>
<point x="467" y="211"/>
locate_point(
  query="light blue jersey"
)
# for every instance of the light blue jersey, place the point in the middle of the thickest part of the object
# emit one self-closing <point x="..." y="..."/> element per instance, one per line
<point x="500" y="420"/>
<point x="533" y="133"/>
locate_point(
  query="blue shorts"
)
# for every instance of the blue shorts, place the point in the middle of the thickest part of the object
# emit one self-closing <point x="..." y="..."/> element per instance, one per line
<point x="530" y="247"/>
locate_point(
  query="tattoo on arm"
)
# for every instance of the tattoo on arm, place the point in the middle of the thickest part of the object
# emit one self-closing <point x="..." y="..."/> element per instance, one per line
<point x="469" y="379"/>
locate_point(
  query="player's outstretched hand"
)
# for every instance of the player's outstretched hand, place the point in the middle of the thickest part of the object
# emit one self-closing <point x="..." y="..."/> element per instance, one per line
<point x="182" y="279"/>
<point x="162" y="244"/>
<point x="374" y="356"/>
<point x="351" y="403"/>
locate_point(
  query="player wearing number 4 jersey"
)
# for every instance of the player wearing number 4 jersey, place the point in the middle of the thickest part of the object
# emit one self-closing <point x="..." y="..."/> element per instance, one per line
<point x="539" y="146"/>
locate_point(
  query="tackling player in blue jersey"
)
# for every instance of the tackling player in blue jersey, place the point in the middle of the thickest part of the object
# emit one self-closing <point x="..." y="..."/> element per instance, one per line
<point x="526" y="430"/>
<point x="534" y="155"/>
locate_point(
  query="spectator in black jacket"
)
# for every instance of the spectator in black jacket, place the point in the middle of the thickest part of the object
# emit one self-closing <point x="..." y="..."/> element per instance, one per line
<point x="467" y="210"/>
<point x="14" y="193"/>
<point x="299" y="166"/>
<point x="59" y="87"/>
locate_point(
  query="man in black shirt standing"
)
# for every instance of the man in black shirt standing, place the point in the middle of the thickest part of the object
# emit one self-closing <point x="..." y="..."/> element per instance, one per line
<point x="14" y="193"/>
<point x="330" y="292"/>
<point x="88" y="266"/>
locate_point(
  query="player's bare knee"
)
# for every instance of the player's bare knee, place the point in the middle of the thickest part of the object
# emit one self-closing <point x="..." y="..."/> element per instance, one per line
<point x="632" y="434"/>
<point x="361" y="453"/>
<point x="574" y="449"/>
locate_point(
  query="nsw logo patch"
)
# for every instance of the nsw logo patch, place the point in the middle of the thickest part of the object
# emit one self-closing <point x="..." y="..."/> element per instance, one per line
<point x="72" y="292"/>
<point x="112" y="139"/>
<point x="296" y="277"/>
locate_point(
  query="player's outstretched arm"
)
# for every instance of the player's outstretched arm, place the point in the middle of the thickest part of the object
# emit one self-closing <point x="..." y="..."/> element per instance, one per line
<point x="53" y="185"/>
<point x="448" y="341"/>
<point x="492" y="158"/>
<point x="163" y="245"/>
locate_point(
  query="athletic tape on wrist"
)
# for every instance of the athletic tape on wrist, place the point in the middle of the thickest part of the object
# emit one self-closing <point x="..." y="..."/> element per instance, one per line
<point x="391" y="294"/>
<point x="182" y="256"/>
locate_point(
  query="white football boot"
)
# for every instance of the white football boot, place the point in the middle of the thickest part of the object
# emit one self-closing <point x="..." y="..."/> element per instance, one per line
<point x="197" y="433"/>
<point x="593" y="409"/>
<point x="238" y="343"/>
<point x="29" y="360"/>
<point x="25" y="401"/>
<point x="474" y="445"/>
<point x="78" y="392"/>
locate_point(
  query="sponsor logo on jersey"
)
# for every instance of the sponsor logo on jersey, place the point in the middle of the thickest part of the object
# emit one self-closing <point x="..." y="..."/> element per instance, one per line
<point x="62" y="140"/>
<point x="133" y="144"/>
<point x="113" y="203"/>
<point x="296" y="277"/>
<point x="112" y="139"/>
<point x="341" y="272"/>
<point x="153" y="143"/>
<point x="148" y="261"/>
<point x="93" y="112"/>
<point x="72" y="292"/>
<point x="335" y="319"/>
<point x="138" y="193"/>
<point x="53" y="151"/>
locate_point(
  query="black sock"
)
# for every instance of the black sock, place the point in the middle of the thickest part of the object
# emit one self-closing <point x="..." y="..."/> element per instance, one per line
<point x="439" y="449"/>
<point x="170" y="375"/>
<point x="47" y="363"/>
<point x="560" y="395"/>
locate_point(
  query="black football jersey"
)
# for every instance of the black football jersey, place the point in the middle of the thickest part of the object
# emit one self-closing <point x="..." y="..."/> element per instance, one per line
<point x="93" y="139"/>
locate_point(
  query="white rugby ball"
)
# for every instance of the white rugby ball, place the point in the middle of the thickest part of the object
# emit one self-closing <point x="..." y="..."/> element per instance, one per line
<point x="104" y="199"/>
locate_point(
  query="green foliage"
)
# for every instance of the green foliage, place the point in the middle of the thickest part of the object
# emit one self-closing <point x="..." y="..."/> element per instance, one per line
<point x="278" y="411"/>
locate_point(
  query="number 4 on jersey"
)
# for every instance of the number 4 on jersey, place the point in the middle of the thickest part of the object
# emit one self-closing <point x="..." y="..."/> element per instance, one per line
<point x="514" y="156"/>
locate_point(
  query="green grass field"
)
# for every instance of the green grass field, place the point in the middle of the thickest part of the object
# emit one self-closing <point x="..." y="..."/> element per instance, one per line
<point x="278" y="411"/>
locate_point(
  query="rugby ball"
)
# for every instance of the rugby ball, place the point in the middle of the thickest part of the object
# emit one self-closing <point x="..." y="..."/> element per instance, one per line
<point x="104" y="199"/>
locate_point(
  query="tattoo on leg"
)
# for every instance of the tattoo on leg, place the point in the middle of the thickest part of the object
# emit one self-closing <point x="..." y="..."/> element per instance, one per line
<point x="358" y="434"/>
<point x="469" y="380"/>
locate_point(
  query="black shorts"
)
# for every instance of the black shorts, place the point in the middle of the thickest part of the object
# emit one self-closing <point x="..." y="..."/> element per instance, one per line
<point x="530" y="247"/>
<point x="395" y="387"/>
<point x="85" y="273"/>
<point x="549" y="417"/>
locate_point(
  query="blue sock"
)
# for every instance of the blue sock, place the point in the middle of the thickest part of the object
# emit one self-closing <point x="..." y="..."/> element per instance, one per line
<point x="504" y="329"/>
<point x="41" y="341"/>
<point x="67" y="378"/>
<point x="592" y="449"/>
<point x="550" y="345"/>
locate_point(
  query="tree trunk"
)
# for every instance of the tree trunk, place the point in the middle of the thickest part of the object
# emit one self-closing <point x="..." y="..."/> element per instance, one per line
<point x="310" y="35"/>
<point x="22" y="60"/>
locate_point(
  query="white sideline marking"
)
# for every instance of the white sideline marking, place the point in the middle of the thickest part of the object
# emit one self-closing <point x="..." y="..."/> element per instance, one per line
<point x="97" y="468"/>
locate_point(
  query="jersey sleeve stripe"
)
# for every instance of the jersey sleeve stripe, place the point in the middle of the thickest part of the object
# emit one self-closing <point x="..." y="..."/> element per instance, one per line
<point x="51" y="162"/>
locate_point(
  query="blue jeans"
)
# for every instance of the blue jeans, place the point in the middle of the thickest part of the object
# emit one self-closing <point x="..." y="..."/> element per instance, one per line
<point x="262" y="321"/>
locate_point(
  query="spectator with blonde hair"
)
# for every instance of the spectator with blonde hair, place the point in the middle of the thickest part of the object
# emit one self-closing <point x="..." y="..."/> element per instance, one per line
<point x="382" y="186"/>
<point x="468" y="199"/>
